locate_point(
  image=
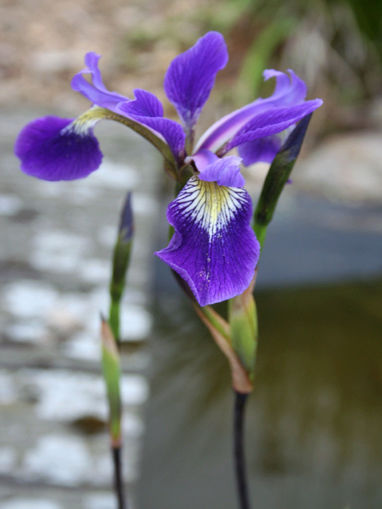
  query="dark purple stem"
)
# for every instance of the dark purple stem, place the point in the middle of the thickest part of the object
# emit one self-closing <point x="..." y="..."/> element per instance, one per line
<point x="118" y="481"/>
<point x="238" y="450"/>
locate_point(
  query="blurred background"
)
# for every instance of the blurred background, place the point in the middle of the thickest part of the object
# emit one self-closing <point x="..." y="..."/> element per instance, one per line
<point x="314" y="421"/>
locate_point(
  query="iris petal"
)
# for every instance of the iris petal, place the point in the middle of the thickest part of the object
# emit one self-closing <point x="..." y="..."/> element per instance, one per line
<point x="191" y="76"/>
<point x="96" y="91"/>
<point x="168" y="129"/>
<point x="146" y="108"/>
<point x="260" y="150"/>
<point x="213" y="248"/>
<point x="52" y="148"/>
<point x="145" y="104"/>
<point x="271" y="122"/>
<point x="289" y="91"/>
<point x="225" y="171"/>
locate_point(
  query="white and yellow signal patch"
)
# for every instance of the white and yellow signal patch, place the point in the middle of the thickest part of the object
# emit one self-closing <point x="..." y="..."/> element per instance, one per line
<point x="208" y="205"/>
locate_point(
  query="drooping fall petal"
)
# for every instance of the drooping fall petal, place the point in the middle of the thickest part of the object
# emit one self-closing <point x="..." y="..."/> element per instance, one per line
<point x="213" y="248"/>
<point x="53" y="148"/>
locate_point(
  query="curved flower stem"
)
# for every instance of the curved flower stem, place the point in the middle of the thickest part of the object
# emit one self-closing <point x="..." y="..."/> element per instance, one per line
<point x="112" y="375"/>
<point x="102" y="113"/>
<point x="238" y="449"/>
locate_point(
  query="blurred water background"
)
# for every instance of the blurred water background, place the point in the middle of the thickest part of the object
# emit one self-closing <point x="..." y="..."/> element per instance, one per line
<point x="315" y="419"/>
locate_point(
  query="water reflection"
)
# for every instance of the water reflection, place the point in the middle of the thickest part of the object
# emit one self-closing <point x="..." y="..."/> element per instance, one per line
<point x="314" y="424"/>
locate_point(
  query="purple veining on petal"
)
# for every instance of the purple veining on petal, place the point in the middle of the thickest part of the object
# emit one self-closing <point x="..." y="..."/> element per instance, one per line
<point x="260" y="150"/>
<point x="263" y="149"/>
<point x="51" y="148"/>
<point x="171" y="131"/>
<point x="144" y="104"/>
<point x="271" y="122"/>
<point x="289" y="91"/>
<point x="191" y="76"/>
<point x="213" y="248"/>
<point x="168" y="129"/>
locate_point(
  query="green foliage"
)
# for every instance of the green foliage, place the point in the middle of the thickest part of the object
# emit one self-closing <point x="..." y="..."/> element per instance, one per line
<point x="112" y="374"/>
<point x="121" y="260"/>
<point x="243" y="323"/>
<point x="368" y="14"/>
<point x="277" y="176"/>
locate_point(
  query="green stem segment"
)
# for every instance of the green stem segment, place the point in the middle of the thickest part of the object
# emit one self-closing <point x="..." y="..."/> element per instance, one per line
<point x="216" y="322"/>
<point x="97" y="113"/>
<point x="121" y="259"/>
<point x="120" y="265"/>
<point x="112" y="375"/>
<point x="111" y="343"/>
<point x="242" y="316"/>
<point x="277" y="176"/>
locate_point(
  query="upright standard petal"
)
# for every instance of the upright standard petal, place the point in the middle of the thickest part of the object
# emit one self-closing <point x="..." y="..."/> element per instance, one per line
<point x="213" y="248"/>
<point x="289" y="91"/>
<point x="52" y="148"/>
<point x="191" y="76"/>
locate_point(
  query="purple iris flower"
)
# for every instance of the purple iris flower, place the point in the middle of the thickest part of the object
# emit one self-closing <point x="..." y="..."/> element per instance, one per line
<point x="213" y="247"/>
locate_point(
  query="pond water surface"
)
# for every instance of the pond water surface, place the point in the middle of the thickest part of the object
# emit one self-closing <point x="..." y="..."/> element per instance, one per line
<point x="314" y="423"/>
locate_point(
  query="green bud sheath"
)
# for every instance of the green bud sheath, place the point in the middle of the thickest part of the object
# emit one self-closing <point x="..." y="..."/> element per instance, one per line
<point x="277" y="176"/>
<point x="121" y="259"/>
<point x="112" y="373"/>
<point x="243" y="322"/>
<point x="220" y="330"/>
